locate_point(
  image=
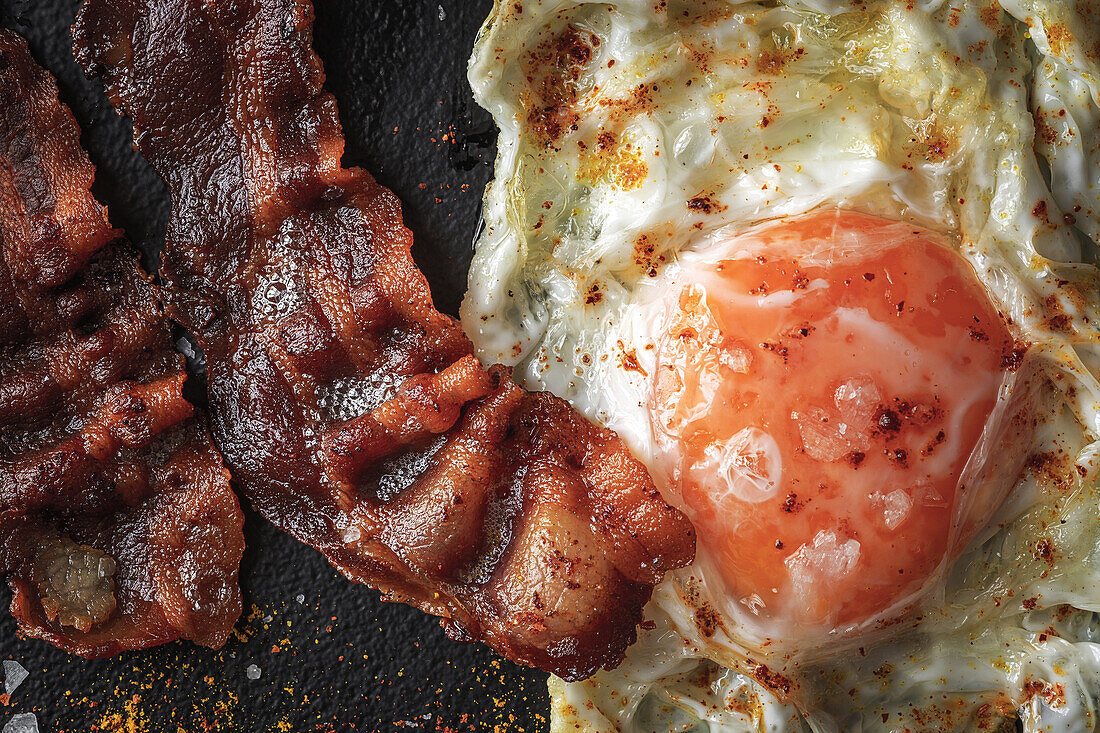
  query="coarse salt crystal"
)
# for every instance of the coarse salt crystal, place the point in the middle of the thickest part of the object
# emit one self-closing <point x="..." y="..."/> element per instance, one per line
<point x="14" y="675"/>
<point x="895" y="508"/>
<point x="821" y="439"/>
<point x="827" y="558"/>
<point x="928" y="496"/>
<point x="856" y="401"/>
<point x="22" y="723"/>
<point x="252" y="672"/>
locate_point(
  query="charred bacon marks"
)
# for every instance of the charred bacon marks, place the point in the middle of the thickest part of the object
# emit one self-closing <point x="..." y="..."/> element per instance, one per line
<point x="352" y="412"/>
<point x="118" y="529"/>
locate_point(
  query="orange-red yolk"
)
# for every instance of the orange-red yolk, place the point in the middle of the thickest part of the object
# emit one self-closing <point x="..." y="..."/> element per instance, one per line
<point x="821" y="385"/>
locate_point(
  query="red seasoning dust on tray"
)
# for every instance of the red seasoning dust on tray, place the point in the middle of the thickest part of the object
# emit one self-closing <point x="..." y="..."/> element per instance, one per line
<point x="351" y="412"/>
<point x="118" y="528"/>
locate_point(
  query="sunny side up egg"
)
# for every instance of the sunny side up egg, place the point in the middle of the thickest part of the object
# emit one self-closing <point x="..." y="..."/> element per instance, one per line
<point x="825" y="266"/>
<point x="819" y="387"/>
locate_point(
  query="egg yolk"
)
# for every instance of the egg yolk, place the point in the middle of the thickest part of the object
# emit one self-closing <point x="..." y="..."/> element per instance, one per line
<point x="821" y="385"/>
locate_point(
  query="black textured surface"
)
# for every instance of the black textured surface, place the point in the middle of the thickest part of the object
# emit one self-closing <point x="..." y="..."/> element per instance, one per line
<point x="337" y="659"/>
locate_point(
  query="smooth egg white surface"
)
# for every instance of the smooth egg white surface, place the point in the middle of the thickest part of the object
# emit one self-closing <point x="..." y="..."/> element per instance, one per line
<point x="638" y="136"/>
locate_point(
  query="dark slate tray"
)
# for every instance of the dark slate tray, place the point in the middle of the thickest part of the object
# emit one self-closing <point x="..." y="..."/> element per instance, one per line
<point x="331" y="655"/>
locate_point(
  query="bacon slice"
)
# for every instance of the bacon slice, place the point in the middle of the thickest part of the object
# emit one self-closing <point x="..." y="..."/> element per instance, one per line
<point x="352" y="412"/>
<point x="118" y="528"/>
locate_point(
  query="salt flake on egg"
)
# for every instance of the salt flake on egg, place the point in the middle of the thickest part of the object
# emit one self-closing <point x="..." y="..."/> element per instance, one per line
<point x="895" y="507"/>
<point x="814" y="566"/>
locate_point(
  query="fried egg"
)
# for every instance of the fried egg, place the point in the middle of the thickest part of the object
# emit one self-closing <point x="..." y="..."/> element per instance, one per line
<point x="827" y="267"/>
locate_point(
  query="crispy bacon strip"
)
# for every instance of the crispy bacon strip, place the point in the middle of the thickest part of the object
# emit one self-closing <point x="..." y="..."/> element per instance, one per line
<point x="118" y="529"/>
<point x="351" y="411"/>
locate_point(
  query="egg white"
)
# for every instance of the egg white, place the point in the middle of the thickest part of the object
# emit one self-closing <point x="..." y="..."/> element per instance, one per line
<point x="977" y="122"/>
